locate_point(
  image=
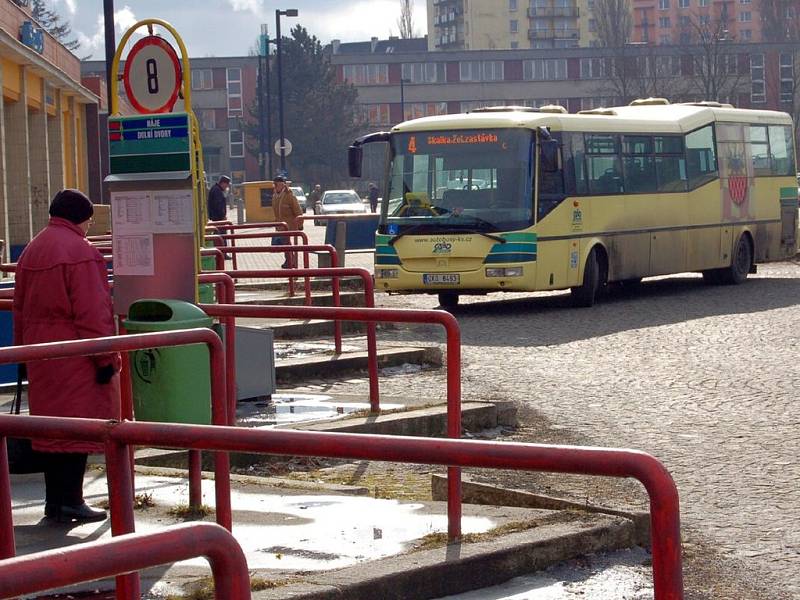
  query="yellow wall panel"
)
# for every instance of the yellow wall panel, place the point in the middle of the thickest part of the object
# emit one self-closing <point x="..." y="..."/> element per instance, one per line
<point x="11" y="82"/>
<point x="34" y="90"/>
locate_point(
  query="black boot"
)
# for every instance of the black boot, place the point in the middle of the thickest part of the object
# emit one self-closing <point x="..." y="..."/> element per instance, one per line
<point x="81" y="513"/>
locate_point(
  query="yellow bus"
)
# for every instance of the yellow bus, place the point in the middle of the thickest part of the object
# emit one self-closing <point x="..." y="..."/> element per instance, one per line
<point x="522" y="199"/>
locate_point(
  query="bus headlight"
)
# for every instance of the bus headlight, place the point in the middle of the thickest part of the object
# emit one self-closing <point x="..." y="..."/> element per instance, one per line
<point x="387" y="273"/>
<point x="504" y="272"/>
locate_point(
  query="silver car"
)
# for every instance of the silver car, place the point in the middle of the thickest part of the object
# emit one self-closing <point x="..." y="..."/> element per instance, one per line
<point x="338" y="202"/>
<point x="300" y="195"/>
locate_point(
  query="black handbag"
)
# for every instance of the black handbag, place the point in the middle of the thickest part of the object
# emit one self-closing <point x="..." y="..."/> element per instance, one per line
<point x="22" y="458"/>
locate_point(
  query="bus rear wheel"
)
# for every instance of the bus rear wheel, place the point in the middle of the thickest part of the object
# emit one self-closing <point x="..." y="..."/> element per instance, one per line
<point x="448" y="300"/>
<point x="741" y="263"/>
<point x="594" y="276"/>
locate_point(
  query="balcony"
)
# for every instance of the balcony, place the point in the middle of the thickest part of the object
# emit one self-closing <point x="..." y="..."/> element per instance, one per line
<point x="553" y="34"/>
<point x="549" y="12"/>
<point x="447" y="19"/>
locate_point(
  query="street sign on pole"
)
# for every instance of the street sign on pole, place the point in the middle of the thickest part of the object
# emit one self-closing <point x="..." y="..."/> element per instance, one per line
<point x="287" y="147"/>
<point x="152" y="76"/>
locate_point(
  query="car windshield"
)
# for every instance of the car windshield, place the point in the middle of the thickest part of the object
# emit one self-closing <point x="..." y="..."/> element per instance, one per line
<point x="343" y="198"/>
<point x="298" y="191"/>
<point x="476" y="179"/>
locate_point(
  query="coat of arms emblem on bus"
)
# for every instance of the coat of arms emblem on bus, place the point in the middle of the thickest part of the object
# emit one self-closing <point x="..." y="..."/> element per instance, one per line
<point x="736" y="171"/>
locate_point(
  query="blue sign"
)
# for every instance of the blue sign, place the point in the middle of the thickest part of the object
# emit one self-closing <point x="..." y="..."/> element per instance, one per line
<point x="156" y="122"/>
<point x="155" y="134"/>
<point x="393" y="229"/>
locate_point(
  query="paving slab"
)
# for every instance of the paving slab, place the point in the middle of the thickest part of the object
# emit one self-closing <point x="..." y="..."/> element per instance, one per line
<point x="322" y="544"/>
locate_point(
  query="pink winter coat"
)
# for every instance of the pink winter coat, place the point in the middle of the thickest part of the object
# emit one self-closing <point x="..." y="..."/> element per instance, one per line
<point x="61" y="293"/>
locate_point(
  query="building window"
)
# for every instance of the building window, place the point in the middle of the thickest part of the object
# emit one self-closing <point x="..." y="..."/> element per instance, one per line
<point x="745" y="17"/>
<point x="683" y="21"/>
<point x="514" y="45"/>
<point x="683" y="3"/>
<point x="663" y="4"/>
<point x="744" y="1"/>
<point x="211" y="160"/>
<point x="704" y="19"/>
<point x="787" y="77"/>
<point x="202" y="79"/>
<point x="376" y="115"/>
<point x="757" y="94"/>
<point x="593" y="68"/>
<point x="207" y="119"/>
<point x="663" y="22"/>
<point x="702" y="3"/>
<point x="234" y="84"/>
<point x="417" y="110"/>
<point x="544" y="69"/>
<point x="476" y="70"/>
<point x="664" y="39"/>
<point x="512" y="5"/>
<point x="592" y="25"/>
<point x="685" y="38"/>
<point x="747" y="35"/>
<point x="513" y="26"/>
<point x="423" y="72"/>
<point x="377" y="74"/>
<point x="235" y="143"/>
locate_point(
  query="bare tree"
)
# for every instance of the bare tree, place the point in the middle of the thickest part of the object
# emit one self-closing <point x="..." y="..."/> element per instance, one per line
<point x="406" y="21"/>
<point x="706" y="46"/>
<point x="781" y="20"/>
<point x="613" y="21"/>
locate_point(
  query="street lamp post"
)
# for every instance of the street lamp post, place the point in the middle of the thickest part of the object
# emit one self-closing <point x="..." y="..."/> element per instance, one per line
<point x="289" y="12"/>
<point x="403" y="98"/>
<point x="111" y="45"/>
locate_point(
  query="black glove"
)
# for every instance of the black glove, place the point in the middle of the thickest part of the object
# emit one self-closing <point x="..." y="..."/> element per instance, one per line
<point x="104" y="374"/>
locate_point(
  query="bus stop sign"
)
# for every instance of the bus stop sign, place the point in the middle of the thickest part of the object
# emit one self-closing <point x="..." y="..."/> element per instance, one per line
<point x="152" y="76"/>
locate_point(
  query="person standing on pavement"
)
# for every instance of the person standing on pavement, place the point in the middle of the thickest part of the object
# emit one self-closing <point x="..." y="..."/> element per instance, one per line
<point x="315" y="197"/>
<point x="287" y="209"/>
<point x="373" y="197"/>
<point x="217" y="204"/>
<point x="61" y="292"/>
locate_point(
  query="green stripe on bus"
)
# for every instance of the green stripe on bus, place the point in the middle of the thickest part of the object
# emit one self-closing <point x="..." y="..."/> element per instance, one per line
<point x="387" y="250"/>
<point x="788" y="193"/>
<point x="387" y="260"/>
<point x="509" y="247"/>
<point x="519" y="237"/>
<point x="510" y="258"/>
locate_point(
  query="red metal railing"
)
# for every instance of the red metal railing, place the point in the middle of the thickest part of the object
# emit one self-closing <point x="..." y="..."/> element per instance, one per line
<point x="383" y="315"/>
<point x="327" y="248"/>
<point x="664" y="504"/>
<point x="132" y="552"/>
<point x="369" y="302"/>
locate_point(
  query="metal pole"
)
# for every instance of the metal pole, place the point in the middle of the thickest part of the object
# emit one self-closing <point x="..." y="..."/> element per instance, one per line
<point x="262" y="159"/>
<point x="280" y="89"/>
<point x="269" y="109"/>
<point x="402" y="101"/>
<point x="111" y="46"/>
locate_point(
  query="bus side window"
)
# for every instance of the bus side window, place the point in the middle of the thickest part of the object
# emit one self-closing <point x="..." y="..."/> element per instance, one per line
<point x="780" y="150"/>
<point x="572" y="152"/>
<point x="701" y="158"/>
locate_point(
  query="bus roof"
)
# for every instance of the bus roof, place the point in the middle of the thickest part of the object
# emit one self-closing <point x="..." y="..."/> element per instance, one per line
<point x="672" y="118"/>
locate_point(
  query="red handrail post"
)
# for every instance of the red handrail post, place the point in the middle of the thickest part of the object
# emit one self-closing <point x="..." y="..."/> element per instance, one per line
<point x="7" y="543"/>
<point x="120" y="500"/>
<point x="453" y="422"/>
<point x="372" y="347"/>
<point x="337" y="324"/>
<point x="195" y="479"/>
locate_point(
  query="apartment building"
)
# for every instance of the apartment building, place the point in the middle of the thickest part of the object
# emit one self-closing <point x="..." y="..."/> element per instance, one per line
<point x="508" y="24"/>
<point x="396" y="84"/>
<point x="47" y="117"/>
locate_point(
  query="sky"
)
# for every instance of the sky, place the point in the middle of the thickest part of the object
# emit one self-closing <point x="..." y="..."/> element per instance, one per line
<point x="231" y="27"/>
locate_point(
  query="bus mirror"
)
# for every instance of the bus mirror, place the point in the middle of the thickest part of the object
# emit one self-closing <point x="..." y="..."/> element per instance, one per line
<point x="354" y="157"/>
<point x="549" y="156"/>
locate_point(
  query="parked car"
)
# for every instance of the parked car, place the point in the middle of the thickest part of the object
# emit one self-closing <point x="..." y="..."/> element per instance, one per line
<point x="337" y="202"/>
<point x="300" y="195"/>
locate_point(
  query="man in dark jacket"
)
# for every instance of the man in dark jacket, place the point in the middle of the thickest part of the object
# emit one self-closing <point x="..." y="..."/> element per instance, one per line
<point x="217" y="206"/>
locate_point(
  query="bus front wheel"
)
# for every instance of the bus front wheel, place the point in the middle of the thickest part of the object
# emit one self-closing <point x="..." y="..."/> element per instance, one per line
<point x="448" y="300"/>
<point x="585" y="294"/>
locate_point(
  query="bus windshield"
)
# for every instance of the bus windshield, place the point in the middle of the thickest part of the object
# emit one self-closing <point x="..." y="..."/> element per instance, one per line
<point x="444" y="181"/>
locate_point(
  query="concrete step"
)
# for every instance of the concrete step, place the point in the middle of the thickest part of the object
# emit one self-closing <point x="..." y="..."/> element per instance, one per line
<point x="312" y="328"/>
<point x="422" y="422"/>
<point x="317" y="284"/>
<point x="321" y="367"/>
<point x="317" y="299"/>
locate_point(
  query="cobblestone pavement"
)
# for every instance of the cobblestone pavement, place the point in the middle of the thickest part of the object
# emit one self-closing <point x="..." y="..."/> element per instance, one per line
<point x="705" y="378"/>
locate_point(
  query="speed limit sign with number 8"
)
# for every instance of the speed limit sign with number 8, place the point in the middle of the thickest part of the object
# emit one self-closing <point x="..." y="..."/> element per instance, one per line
<point x="152" y="75"/>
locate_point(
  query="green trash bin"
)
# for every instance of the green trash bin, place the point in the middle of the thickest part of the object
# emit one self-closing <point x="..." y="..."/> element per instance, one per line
<point x="170" y="384"/>
<point x="207" y="291"/>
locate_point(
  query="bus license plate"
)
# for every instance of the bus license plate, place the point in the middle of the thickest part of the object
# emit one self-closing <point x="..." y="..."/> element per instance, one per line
<point x="441" y="278"/>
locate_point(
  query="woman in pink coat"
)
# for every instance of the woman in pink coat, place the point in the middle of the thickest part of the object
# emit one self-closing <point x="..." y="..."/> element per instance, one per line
<point x="62" y="293"/>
